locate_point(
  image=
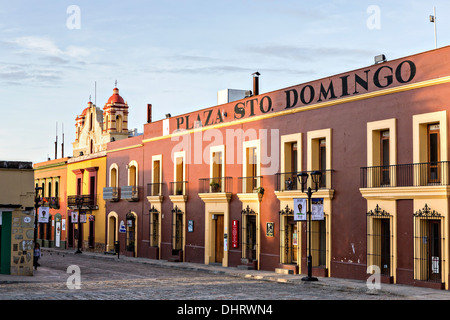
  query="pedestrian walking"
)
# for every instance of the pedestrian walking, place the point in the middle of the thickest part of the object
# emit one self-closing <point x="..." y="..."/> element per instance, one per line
<point x="36" y="256"/>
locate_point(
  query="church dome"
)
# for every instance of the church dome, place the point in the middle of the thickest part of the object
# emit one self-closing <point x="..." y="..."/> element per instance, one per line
<point x="115" y="98"/>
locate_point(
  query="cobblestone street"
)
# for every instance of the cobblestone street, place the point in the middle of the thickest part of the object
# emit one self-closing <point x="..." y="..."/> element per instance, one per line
<point x="108" y="278"/>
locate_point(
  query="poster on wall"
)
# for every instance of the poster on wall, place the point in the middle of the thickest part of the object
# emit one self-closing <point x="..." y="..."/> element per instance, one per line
<point x="43" y="214"/>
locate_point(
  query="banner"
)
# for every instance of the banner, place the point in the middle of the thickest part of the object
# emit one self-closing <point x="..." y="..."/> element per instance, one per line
<point x="44" y="212"/>
<point x="300" y="209"/>
<point x="317" y="209"/>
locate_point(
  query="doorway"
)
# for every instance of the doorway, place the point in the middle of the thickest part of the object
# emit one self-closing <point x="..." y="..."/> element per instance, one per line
<point x="219" y="238"/>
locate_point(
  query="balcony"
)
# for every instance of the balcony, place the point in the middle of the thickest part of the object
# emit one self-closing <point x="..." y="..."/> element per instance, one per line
<point x="214" y="185"/>
<point x="52" y="202"/>
<point x="249" y="184"/>
<point x="89" y="202"/>
<point x="129" y="193"/>
<point x="154" y="189"/>
<point x="287" y="181"/>
<point x="178" y="188"/>
<point x="111" y="194"/>
<point x="406" y="175"/>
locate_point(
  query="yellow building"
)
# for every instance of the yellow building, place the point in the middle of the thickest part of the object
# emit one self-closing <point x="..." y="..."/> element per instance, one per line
<point x="16" y="218"/>
<point x="86" y="177"/>
<point x="86" y="171"/>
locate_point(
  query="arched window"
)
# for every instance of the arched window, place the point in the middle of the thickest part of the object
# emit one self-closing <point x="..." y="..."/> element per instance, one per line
<point x="119" y="123"/>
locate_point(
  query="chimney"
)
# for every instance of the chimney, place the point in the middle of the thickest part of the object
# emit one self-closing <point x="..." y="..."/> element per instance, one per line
<point x="149" y="113"/>
<point x="256" y="83"/>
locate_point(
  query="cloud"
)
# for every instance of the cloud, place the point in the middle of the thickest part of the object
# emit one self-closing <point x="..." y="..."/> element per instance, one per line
<point x="17" y="74"/>
<point x="46" y="63"/>
<point x="307" y="53"/>
<point x="46" y="47"/>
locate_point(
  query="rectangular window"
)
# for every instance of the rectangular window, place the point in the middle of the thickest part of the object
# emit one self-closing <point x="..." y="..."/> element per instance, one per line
<point x="290" y="161"/>
<point x="433" y="154"/>
<point x="319" y="155"/>
<point x="384" y="157"/>
<point x="252" y="169"/>
<point x="178" y="186"/>
<point x="156" y="178"/>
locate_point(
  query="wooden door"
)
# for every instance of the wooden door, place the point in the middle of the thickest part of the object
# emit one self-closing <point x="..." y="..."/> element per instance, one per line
<point x="219" y="238"/>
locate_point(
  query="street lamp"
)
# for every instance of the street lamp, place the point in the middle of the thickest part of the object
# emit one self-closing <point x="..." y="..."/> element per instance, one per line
<point x="37" y="200"/>
<point x="79" y="201"/>
<point x="303" y="178"/>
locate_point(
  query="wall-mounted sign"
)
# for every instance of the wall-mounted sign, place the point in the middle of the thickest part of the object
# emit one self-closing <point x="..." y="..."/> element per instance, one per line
<point x="190" y="225"/>
<point x="269" y="229"/>
<point x="122" y="228"/>
<point x="235" y="233"/>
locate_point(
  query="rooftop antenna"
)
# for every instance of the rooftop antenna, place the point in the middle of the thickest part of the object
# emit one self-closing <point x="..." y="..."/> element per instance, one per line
<point x="115" y="83"/>
<point x="95" y="93"/>
<point x="433" y="19"/>
<point x="56" y="142"/>
<point x="62" y="144"/>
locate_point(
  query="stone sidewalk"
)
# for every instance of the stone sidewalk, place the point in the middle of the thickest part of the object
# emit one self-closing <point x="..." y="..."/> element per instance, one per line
<point x="45" y="275"/>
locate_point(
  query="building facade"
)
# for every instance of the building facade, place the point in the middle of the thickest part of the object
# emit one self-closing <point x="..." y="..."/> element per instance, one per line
<point x="16" y="218"/>
<point x="51" y="176"/>
<point x="221" y="183"/>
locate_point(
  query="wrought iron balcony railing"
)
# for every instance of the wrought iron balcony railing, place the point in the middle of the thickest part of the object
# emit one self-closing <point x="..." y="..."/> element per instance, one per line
<point x="218" y="184"/>
<point x="111" y="193"/>
<point x="178" y="188"/>
<point x="406" y="175"/>
<point x="249" y="184"/>
<point x="154" y="189"/>
<point x="287" y="181"/>
<point x="52" y="202"/>
<point x="88" y="202"/>
<point x="130" y="193"/>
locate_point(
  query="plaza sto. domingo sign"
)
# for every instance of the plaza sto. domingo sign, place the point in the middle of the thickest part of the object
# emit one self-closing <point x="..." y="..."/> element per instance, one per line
<point x="343" y="86"/>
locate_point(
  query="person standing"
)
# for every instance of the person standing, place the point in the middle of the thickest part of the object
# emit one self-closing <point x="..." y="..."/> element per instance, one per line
<point x="36" y="256"/>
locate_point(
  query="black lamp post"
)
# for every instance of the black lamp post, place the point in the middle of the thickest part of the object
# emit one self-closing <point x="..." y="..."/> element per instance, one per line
<point x="37" y="200"/>
<point x="303" y="178"/>
<point x="79" y="201"/>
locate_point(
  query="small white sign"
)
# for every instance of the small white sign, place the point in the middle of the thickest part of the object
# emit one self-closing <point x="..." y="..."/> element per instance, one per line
<point x="122" y="228"/>
<point x="166" y="129"/>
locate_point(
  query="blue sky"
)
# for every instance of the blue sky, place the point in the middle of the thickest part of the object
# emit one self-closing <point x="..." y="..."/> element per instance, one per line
<point x="177" y="54"/>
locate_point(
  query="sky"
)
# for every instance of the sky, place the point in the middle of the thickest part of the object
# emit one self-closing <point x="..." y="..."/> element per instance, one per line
<point x="177" y="54"/>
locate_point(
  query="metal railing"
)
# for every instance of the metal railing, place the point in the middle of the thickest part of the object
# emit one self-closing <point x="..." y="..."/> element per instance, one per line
<point x="218" y="184"/>
<point x="130" y="193"/>
<point x="111" y="193"/>
<point x="249" y="184"/>
<point x="286" y="181"/>
<point x="52" y="202"/>
<point x="406" y="175"/>
<point x="154" y="189"/>
<point x="178" y="188"/>
<point x="89" y="201"/>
